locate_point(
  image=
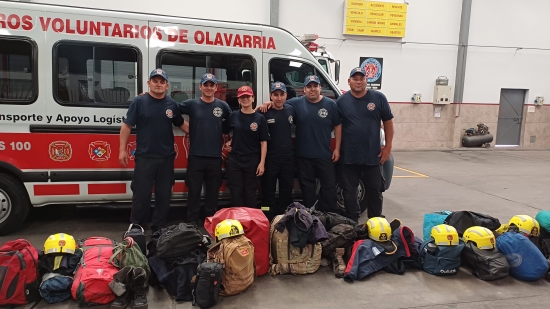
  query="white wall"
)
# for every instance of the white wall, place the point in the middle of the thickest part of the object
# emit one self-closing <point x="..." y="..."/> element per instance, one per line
<point x="252" y="11"/>
<point x="497" y="30"/>
<point x="409" y="67"/>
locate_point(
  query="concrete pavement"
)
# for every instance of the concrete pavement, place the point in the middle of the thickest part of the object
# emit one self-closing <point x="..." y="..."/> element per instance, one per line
<point x="500" y="183"/>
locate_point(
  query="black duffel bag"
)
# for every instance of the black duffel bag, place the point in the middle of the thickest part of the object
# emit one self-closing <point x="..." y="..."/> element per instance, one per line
<point x="177" y="241"/>
<point x="486" y="264"/>
<point x="463" y="220"/>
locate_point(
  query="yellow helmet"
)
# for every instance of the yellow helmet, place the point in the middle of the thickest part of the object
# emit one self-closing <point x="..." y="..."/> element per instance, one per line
<point x="444" y="235"/>
<point x="60" y="243"/>
<point x="526" y="224"/>
<point x="229" y="228"/>
<point x="502" y="229"/>
<point x="379" y="229"/>
<point x="481" y="236"/>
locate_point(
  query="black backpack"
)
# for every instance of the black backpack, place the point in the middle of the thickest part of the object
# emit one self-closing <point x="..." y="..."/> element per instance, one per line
<point x="177" y="241"/>
<point x="207" y="284"/>
<point x="486" y="264"/>
<point x="463" y="220"/>
<point x="135" y="231"/>
<point x="340" y="236"/>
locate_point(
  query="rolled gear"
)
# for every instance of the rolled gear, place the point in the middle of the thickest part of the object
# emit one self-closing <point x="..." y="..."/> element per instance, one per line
<point x="55" y="288"/>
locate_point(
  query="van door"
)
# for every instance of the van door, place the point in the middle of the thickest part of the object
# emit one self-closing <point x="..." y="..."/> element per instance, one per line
<point x="187" y="51"/>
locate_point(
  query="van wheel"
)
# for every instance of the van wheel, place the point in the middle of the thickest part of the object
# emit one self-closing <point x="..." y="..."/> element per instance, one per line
<point x="14" y="203"/>
<point x="360" y="196"/>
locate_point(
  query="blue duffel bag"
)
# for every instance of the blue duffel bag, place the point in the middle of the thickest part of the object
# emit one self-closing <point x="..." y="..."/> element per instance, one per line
<point x="526" y="261"/>
<point x="433" y="219"/>
<point x="440" y="260"/>
<point x="55" y="288"/>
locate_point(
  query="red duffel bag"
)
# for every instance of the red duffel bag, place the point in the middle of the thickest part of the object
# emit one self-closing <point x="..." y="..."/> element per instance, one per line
<point x="256" y="228"/>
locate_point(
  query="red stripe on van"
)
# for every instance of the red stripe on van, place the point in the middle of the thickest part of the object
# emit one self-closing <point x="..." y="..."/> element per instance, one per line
<point x="107" y="188"/>
<point x="41" y="190"/>
<point x="179" y="187"/>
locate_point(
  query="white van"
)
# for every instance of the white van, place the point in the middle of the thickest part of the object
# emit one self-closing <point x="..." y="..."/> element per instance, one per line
<point x="68" y="75"/>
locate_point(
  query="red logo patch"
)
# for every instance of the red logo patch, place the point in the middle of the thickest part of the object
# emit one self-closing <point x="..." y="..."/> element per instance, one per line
<point x="449" y="237"/>
<point x="253" y="126"/>
<point x="60" y="151"/>
<point x="244" y="252"/>
<point x="99" y="151"/>
<point x="61" y="243"/>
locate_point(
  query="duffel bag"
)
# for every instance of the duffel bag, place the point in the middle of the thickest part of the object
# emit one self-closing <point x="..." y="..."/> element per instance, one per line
<point x="56" y="288"/>
<point x="526" y="261"/>
<point x="463" y="220"/>
<point x="486" y="264"/>
<point x="442" y="260"/>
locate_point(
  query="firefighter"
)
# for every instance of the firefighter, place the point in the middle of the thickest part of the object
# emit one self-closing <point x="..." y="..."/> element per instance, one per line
<point x="279" y="163"/>
<point x="248" y="150"/>
<point x="362" y="111"/>
<point x="153" y="114"/>
<point x="206" y="117"/>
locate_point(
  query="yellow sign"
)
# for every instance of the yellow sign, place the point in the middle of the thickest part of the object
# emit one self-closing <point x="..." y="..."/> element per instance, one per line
<point x="374" y="18"/>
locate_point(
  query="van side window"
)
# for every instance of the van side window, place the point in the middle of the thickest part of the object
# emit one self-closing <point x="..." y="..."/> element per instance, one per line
<point x="96" y="74"/>
<point x="185" y="70"/>
<point x="18" y="71"/>
<point x="293" y="73"/>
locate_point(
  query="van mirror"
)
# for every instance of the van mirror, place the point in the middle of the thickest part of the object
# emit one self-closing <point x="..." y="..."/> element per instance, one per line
<point x="337" y="71"/>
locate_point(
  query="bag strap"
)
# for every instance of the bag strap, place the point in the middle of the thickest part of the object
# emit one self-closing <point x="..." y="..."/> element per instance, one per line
<point x="114" y="260"/>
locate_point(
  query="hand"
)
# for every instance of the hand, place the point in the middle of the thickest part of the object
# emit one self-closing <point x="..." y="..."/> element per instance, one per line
<point x="264" y="107"/>
<point x="336" y="155"/>
<point x="228" y="146"/>
<point x="123" y="157"/>
<point x="260" y="170"/>
<point x="384" y="155"/>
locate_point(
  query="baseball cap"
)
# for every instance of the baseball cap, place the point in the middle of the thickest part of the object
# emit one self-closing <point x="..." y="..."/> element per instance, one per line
<point x="158" y="72"/>
<point x="312" y="79"/>
<point x="357" y="70"/>
<point x="278" y="86"/>
<point x="208" y="77"/>
<point x="244" y="90"/>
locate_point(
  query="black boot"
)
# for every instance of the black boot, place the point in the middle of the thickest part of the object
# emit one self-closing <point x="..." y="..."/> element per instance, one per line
<point x="139" y="289"/>
<point x="121" y="286"/>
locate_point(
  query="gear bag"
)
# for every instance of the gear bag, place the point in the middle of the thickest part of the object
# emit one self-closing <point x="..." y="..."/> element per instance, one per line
<point x="177" y="241"/>
<point x="340" y="236"/>
<point x="128" y="253"/>
<point x="55" y="288"/>
<point x="286" y="258"/>
<point x="486" y="264"/>
<point x="431" y="220"/>
<point x="236" y="255"/>
<point x="463" y="220"/>
<point x="18" y="273"/>
<point x="526" y="261"/>
<point x="207" y="285"/>
<point x="440" y="260"/>
<point x="94" y="273"/>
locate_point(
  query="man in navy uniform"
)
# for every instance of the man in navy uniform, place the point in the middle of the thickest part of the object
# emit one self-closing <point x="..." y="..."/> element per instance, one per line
<point x="154" y="115"/>
<point x="279" y="163"/>
<point x="362" y="111"/>
<point x="206" y="116"/>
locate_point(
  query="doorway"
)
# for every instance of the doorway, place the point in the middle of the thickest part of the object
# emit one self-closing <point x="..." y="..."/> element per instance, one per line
<point x="510" y="117"/>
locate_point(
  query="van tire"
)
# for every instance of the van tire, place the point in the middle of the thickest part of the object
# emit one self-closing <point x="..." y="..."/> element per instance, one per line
<point x="360" y="196"/>
<point x="14" y="203"/>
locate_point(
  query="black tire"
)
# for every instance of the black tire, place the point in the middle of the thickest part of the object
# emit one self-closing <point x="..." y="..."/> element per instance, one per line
<point x="360" y="196"/>
<point x="14" y="203"/>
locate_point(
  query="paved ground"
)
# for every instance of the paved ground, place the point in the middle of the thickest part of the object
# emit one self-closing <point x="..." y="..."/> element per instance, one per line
<point x="496" y="182"/>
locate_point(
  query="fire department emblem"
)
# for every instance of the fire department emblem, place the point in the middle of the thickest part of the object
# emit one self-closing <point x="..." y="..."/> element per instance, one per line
<point x="208" y="75"/>
<point x="323" y="113"/>
<point x="159" y="71"/>
<point x="99" y="151"/>
<point x="131" y="150"/>
<point x="278" y="85"/>
<point x="244" y="88"/>
<point x="312" y="78"/>
<point x="176" y="149"/>
<point x="217" y="112"/>
<point x="60" y="151"/>
<point x="253" y="126"/>
<point x="169" y="113"/>
<point x="371" y="106"/>
<point x="373" y="69"/>
<point x="290" y="119"/>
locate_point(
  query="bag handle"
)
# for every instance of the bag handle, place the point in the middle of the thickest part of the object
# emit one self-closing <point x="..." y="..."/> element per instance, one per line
<point x="133" y="224"/>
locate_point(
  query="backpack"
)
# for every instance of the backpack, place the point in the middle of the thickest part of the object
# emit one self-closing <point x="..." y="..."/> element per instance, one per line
<point x="236" y="255"/>
<point x="286" y="258"/>
<point x="463" y="220"/>
<point x="445" y="261"/>
<point x="340" y="236"/>
<point x="486" y="264"/>
<point x="207" y="284"/>
<point x="93" y="274"/>
<point x="526" y="261"/>
<point x="136" y="232"/>
<point x="18" y="273"/>
<point x="177" y="241"/>
<point x="128" y="253"/>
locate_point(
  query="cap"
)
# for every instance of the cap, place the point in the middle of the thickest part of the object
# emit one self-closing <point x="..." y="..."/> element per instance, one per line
<point x="357" y="70"/>
<point x="312" y="79"/>
<point x="278" y="86"/>
<point x="158" y="72"/>
<point x="208" y="77"/>
<point x="244" y="90"/>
